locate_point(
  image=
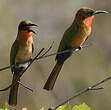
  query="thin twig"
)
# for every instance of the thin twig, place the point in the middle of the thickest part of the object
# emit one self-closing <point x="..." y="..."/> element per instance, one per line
<point x="93" y="87"/>
<point x="46" y="51"/>
<point x="61" y="52"/>
<point x="45" y="56"/>
<point x="4" y="68"/>
<point x="23" y="71"/>
<point x="24" y="85"/>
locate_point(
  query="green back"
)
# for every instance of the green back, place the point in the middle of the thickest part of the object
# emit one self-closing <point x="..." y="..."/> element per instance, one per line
<point x="67" y="38"/>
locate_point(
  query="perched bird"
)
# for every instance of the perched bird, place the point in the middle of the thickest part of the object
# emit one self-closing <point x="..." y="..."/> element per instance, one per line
<point x="73" y="37"/>
<point x="21" y="51"/>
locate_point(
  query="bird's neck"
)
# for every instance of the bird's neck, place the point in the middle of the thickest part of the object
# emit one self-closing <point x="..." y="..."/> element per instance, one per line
<point x="24" y="34"/>
<point x="86" y="22"/>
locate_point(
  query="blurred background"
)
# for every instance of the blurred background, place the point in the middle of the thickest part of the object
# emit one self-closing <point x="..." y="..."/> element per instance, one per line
<point x="82" y="69"/>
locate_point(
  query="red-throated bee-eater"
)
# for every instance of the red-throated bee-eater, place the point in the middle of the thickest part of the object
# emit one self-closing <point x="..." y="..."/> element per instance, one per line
<point x="21" y="51"/>
<point x="73" y="37"/>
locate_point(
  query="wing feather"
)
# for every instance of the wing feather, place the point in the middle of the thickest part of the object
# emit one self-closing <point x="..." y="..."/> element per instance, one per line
<point x="13" y="53"/>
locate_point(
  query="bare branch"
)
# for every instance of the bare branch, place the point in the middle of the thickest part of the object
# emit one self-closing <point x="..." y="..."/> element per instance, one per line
<point x="75" y="49"/>
<point x="45" y="56"/>
<point x="37" y="58"/>
<point x="4" y="68"/>
<point x="46" y="51"/>
<point x="93" y="87"/>
<point x="24" y="85"/>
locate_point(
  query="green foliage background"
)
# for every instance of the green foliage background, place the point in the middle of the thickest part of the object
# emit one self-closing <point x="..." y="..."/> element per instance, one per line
<point x="63" y="107"/>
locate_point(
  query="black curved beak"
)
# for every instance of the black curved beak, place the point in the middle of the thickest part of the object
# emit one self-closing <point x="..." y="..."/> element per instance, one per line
<point x="99" y="12"/>
<point x="30" y="30"/>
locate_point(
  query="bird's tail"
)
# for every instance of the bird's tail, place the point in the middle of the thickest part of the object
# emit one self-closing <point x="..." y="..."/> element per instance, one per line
<point x="14" y="91"/>
<point x="53" y="76"/>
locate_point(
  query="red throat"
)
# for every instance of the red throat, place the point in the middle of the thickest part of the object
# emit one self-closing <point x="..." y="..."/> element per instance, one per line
<point x="88" y="21"/>
<point x="26" y="34"/>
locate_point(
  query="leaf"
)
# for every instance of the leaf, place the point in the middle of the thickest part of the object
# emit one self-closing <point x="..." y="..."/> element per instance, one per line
<point x="42" y="108"/>
<point x="69" y="107"/>
<point x="5" y="106"/>
<point x="65" y="107"/>
<point x="81" y="107"/>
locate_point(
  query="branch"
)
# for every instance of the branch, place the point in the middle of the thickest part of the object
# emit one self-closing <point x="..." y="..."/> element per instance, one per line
<point x="75" y="49"/>
<point x="45" y="56"/>
<point x="23" y="71"/>
<point x="24" y="85"/>
<point x="90" y="88"/>
<point x="4" y="68"/>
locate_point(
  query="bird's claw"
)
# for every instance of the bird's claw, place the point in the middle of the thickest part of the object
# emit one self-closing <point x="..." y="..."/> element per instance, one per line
<point x="80" y="47"/>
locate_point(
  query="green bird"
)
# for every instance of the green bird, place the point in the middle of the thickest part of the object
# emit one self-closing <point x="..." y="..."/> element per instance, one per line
<point x="21" y="50"/>
<point x="73" y="37"/>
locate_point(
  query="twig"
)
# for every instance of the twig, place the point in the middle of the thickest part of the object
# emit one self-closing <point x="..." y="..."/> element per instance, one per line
<point x="45" y="56"/>
<point x="36" y="58"/>
<point x="4" y="68"/>
<point x="46" y="51"/>
<point x="24" y="85"/>
<point x="93" y="87"/>
<point x="23" y="71"/>
<point x="61" y="52"/>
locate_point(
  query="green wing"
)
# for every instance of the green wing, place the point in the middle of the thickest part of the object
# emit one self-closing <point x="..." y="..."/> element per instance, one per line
<point x="13" y="53"/>
<point x="67" y="38"/>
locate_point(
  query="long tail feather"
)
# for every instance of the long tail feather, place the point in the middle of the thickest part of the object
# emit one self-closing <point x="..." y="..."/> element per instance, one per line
<point x="53" y="76"/>
<point x="13" y="92"/>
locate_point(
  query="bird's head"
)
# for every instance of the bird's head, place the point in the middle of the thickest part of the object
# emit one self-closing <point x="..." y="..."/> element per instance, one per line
<point x="87" y="14"/>
<point x="26" y="25"/>
<point x="25" y="29"/>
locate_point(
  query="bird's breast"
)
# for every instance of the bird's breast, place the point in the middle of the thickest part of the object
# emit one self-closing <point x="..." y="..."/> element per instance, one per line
<point x="24" y="52"/>
<point x="80" y="36"/>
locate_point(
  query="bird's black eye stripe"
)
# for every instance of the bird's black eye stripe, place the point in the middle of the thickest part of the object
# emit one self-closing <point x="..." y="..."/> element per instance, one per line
<point x="24" y="25"/>
<point x="91" y="12"/>
<point x="87" y="14"/>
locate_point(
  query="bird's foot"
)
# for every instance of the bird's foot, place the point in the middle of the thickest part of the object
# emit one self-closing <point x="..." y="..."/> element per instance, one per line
<point x="80" y="47"/>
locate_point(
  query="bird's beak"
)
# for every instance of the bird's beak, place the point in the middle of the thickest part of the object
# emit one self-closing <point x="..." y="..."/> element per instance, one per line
<point x="99" y="11"/>
<point x="30" y="30"/>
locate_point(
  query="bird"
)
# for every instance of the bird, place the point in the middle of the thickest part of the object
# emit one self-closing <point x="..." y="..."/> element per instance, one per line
<point x="73" y="37"/>
<point x="21" y="50"/>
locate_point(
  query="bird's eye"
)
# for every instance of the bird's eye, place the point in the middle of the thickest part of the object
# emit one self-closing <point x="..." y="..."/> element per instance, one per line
<point x="91" y="13"/>
<point x="24" y="25"/>
<point x="83" y="17"/>
<point x="88" y="14"/>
